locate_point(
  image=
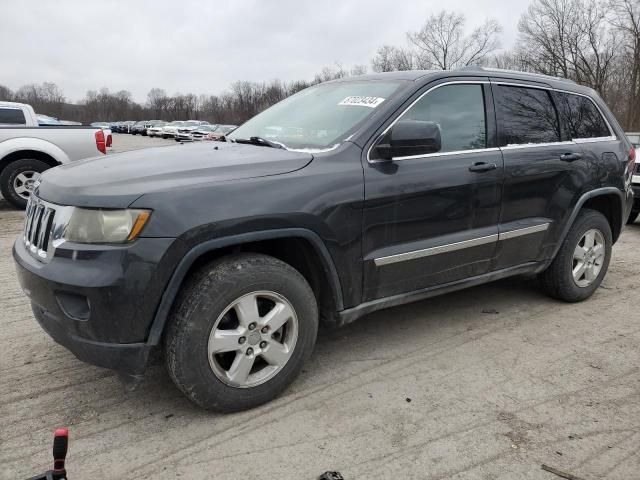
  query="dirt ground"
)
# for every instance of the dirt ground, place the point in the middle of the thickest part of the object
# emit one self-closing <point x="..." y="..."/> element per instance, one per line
<point x="487" y="383"/>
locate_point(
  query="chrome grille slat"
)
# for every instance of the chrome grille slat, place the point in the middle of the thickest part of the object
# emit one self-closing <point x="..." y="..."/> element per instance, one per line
<point x="36" y="223"/>
<point x="44" y="225"/>
<point x="27" y="225"/>
<point x="38" y="226"/>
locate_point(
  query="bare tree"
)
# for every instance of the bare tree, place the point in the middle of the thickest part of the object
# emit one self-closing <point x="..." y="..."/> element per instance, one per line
<point x="358" y="70"/>
<point x="626" y="20"/>
<point x="442" y="44"/>
<point x="390" y="58"/>
<point x="157" y="101"/>
<point x="5" y="93"/>
<point x="569" y="38"/>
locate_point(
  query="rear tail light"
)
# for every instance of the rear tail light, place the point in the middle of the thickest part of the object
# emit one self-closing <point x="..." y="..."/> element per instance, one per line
<point x="100" y="142"/>
<point x="109" y="140"/>
<point x="632" y="160"/>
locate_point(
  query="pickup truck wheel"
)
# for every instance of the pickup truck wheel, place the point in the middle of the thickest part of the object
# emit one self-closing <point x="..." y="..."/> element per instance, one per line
<point x="633" y="216"/>
<point x="240" y="332"/>
<point x="582" y="261"/>
<point x="17" y="180"/>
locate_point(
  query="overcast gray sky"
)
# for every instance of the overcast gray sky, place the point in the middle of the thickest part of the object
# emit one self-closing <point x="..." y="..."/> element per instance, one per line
<point x="203" y="46"/>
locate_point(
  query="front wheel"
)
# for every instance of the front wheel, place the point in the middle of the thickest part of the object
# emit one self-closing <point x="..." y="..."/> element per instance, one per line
<point x="18" y="179"/>
<point x="633" y="216"/>
<point x="240" y="332"/>
<point x="582" y="261"/>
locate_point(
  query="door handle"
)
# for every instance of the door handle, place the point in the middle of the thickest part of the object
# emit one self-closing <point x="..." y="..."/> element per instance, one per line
<point x="482" y="167"/>
<point x="570" y="157"/>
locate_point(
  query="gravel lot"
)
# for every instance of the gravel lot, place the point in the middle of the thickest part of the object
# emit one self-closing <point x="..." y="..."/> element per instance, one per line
<point x="487" y="383"/>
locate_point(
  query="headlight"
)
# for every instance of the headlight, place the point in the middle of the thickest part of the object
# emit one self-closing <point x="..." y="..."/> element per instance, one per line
<point x="105" y="226"/>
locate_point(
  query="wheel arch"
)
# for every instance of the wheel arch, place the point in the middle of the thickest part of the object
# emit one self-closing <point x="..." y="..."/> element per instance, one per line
<point x="310" y="254"/>
<point x="607" y="200"/>
<point x="22" y="154"/>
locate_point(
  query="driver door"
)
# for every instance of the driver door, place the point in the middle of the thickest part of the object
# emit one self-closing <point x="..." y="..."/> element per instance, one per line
<point x="433" y="219"/>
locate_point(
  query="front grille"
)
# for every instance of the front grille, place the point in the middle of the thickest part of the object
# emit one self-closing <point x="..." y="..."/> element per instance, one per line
<point x="37" y="227"/>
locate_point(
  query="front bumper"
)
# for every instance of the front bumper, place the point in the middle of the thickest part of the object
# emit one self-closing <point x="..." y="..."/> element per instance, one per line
<point x="99" y="301"/>
<point x="129" y="358"/>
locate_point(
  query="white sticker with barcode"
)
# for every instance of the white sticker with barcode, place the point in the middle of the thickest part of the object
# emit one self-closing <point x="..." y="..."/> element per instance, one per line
<point x="360" y="101"/>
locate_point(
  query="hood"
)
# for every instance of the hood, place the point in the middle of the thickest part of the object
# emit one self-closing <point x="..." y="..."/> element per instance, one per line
<point x="115" y="181"/>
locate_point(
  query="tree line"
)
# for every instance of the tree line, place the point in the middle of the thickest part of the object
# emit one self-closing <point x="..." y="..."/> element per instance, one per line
<point x="593" y="42"/>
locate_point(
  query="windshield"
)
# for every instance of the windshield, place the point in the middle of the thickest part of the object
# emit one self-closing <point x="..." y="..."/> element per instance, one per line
<point x="192" y="123"/>
<point x="318" y="117"/>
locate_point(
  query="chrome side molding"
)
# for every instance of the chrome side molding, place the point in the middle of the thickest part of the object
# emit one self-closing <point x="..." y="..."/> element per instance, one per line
<point x="452" y="247"/>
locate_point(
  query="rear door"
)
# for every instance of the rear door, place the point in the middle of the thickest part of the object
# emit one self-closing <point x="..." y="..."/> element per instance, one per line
<point x="433" y="219"/>
<point x="543" y="168"/>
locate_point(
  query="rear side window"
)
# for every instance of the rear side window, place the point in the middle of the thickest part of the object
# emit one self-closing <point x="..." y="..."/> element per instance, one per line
<point x="459" y="112"/>
<point x="12" y="116"/>
<point x="527" y="116"/>
<point x="581" y="117"/>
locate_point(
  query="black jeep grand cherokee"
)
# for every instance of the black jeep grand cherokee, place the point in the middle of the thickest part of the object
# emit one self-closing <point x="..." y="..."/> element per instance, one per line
<point x="348" y="197"/>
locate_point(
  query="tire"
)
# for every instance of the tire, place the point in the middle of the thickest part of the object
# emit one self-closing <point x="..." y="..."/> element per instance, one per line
<point x="558" y="280"/>
<point x="165" y="136"/>
<point x="10" y="177"/>
<point x="633" y="216"/>
<point x="200" y="310"/>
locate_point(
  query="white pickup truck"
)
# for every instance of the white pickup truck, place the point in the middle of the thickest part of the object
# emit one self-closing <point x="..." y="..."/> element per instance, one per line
<point x="27" y="149"/>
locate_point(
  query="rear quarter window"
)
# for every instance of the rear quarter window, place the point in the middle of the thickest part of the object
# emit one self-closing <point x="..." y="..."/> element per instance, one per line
<point x="527" y="116"/>
<point x="12" y="116"/>
<point x="581" y="117"/>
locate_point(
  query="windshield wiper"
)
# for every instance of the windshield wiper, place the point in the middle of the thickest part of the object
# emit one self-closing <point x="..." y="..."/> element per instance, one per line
<point x="259" y="141"/>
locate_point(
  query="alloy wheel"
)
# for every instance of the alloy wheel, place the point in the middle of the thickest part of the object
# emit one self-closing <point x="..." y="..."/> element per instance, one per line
<point x="253" y="338"/>
<point x="588" y="257"/>
<point x="23" y="183"/>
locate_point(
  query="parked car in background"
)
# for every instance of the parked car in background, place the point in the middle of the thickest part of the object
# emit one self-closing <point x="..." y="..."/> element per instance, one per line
<point x="184" y="132"/>
<point x="47" y="120"/>
<point x="634" y="138"/>
<point x="171" y="128"/>
<point x="138" y="128"/>
<point x="156" y="129"/>
<point x="201" y="132"/>
<point x="377" y="191"/>
<point x="28" y="149"/>
<point x="220" y="131"/>
<point x="125" y="127"/>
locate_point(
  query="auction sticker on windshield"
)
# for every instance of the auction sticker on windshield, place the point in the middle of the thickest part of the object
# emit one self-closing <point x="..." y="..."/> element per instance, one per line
<point x="360" y="101"/>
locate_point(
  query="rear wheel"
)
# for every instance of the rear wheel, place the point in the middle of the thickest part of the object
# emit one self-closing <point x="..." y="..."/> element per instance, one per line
<point x="240" y="332"/>
<point x="582" y="261"/>
<point x="18" y="179"/>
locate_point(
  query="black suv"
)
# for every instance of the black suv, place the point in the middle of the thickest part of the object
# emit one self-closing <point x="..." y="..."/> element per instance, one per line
<point x="348" y="197"/>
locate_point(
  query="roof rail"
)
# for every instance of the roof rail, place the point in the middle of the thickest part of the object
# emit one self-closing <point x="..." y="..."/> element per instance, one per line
<point x="478" y="68"/>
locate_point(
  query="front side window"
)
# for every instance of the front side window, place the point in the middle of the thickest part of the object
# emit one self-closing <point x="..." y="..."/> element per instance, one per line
<point x="527" y="116"/>
<point x="12" y="116"/>
<point x="459" y="112"/>
<point x="581" y="117"/>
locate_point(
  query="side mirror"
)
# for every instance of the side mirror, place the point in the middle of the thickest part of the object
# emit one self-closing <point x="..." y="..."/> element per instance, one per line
<point x="406" y="138"/>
